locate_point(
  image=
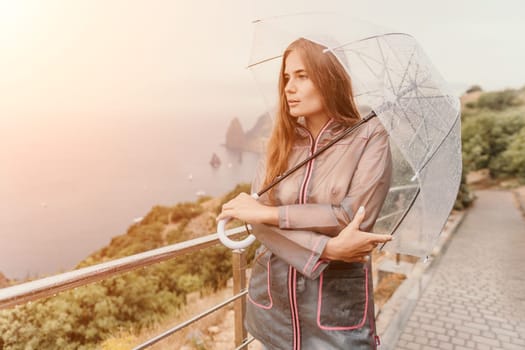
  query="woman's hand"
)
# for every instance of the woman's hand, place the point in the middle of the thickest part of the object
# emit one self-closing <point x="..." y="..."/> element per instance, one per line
<point x="352" y="244"/>
<point x="246" y="208"/>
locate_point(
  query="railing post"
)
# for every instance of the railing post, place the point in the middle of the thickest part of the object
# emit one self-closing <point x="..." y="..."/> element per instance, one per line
<point x="239" y="284"/>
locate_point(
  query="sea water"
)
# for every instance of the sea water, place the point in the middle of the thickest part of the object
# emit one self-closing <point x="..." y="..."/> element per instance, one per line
<point x="68" y="187"/>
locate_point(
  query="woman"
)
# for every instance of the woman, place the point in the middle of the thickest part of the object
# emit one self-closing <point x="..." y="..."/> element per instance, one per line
<point x="311" y="285"/>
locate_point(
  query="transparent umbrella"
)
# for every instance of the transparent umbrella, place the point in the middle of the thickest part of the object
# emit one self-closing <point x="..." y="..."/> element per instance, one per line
<point x="394" y="81"/>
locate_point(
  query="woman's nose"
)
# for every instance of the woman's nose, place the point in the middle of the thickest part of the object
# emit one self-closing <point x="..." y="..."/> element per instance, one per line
<point x="290" y="86"/>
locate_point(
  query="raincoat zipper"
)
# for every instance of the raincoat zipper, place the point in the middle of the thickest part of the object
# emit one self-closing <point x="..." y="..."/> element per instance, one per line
<point x="292" y="280"/>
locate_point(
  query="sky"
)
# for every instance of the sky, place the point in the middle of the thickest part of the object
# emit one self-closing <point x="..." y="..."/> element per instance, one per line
<point x="120" y="58"/>
<point x="86" y="85"/>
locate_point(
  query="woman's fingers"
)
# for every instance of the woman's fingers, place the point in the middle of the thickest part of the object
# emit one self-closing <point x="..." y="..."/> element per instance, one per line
<point x="222" y="215"/>
<point x="228" y="206"/>
<point x="378" y="238"/>
<point x="359" y="259"/>
<point x="375" y="238"/>
<point x="243" y="207"/>
<point x="358" y="219"/>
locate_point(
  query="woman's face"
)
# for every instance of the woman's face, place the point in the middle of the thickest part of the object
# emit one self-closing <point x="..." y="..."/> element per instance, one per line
<point x="302" y="96"/>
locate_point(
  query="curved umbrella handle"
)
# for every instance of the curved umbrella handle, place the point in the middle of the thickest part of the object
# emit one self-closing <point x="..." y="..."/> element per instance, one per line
<point x="231" y="243"/>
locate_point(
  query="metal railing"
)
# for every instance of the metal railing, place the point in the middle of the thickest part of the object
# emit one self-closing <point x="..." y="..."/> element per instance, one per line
<point x="49" y="286"/>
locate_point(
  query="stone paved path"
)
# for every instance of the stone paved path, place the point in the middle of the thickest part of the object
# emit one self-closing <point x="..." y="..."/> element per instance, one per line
<point x="476" y="298"/>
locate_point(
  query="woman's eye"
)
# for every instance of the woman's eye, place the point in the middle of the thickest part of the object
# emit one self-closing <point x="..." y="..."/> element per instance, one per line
<point x="303" y="76"/>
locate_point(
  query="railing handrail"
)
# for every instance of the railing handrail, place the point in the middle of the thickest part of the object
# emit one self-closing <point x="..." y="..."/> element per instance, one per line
<point x="48" y="286"/>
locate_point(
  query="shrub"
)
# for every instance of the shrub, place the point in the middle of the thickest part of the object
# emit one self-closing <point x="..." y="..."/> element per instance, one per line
<point x="186" y="211"/>
<point x="84" y="317"/>
<point x="486" y="137"/>
<point x="514" y="156"/>
<point x="499" y="100"/>
<point x="244" y="187"/>
<point x="474" y="88"/>
<point x="465" y="196"/>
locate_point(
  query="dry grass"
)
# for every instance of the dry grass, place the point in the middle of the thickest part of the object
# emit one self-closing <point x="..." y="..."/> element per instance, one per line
<point x="194" y="334"/>
<point x="386" y="288"/>
<point x="215" y="332"/>
<point x="188" y="337"/>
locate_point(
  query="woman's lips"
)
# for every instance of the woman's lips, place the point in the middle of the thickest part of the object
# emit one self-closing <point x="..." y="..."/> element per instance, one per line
<point x="292" y="103"/>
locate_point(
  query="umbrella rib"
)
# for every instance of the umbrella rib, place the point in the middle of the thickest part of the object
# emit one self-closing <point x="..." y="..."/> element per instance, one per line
<point x="368" y="93"/>
<point x="385" y="66"/>
<point x="379" y="95"/>
<point x="263" y="61"/>
<point x="414" y="129"/>
<point x="435" y="112"/>
<point x="394" y="229"/>
<point x="359" y="55"/>
<point x="419" y="136"/>
<point x="406" y="70"/>
<point x="416" y="113"/>
<point x="427" y="137"/>
<point x="399" y="61"/>
<point x="426" y="97"/>
<point x="370" y="37"/>
<point x="429" y="87"/>
<point x="418" y="97"/>
<point x="369" y="58"/>
<point x="400" y="220"/>
<point x="392" y="86"/>
<point x="440" y="144"/>
<point x="296" y="14"/>
<point x="336" y="47"/>
<point x="388" y="216"/>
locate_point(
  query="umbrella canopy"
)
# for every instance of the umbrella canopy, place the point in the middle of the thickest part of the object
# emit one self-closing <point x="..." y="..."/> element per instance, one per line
<point x="393" y="78"/>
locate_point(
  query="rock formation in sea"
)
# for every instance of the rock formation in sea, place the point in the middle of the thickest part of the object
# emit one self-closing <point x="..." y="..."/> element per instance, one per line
<point x="235" y="138"/>
<point x="215" y="161"/>
<point x="254" y="140"/>
<point x="4" y="282"/>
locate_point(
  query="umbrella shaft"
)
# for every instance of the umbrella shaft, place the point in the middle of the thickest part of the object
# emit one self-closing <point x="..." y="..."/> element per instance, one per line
<point x="370" y="115"/>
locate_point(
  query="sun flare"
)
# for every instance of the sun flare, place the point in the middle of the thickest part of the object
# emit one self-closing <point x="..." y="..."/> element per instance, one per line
<point x="16" y="17"/>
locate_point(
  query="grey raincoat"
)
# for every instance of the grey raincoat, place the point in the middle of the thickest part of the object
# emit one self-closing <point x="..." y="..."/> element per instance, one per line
<point x="296" y="300"/>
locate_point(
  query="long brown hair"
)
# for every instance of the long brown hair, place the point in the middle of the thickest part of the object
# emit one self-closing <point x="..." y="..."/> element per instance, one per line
<point x="334" y="85"/>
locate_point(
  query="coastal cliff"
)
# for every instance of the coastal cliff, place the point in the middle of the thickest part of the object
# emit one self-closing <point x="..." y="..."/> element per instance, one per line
<point x="4" y="282"/>
<point x="253" y="140"/>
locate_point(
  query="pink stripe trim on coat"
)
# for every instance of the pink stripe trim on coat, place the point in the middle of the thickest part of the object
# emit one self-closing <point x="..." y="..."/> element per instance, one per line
<point x="292" y="309"/>
<point x="266" y="307"/>
<point x="312" y="162"/>
<point x="319" y="262"/>
<point x="312" y="255"/>
<point x="296" y="310"/>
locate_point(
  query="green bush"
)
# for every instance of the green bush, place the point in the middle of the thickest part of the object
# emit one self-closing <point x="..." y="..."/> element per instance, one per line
<point x="499" y="100"/>
<point x="187" y="210"/>
<point x="465" y="196"/>
<point x="487" y="137"/>
<point x="84" y="317"/>
<point x="474" y="88"/>
<point x="244" y="187"/>
<point x="514" y="156"/>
